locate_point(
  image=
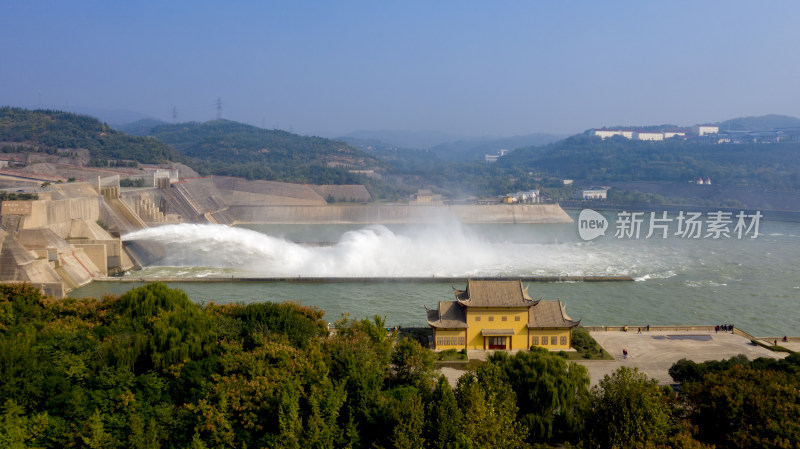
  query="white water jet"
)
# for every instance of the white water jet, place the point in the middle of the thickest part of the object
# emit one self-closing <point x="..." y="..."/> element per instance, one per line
<point x="377" y="251"/>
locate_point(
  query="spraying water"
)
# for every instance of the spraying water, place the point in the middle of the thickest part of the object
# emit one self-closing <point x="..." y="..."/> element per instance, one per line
<point x="376" y="251"/>
<point x="750" y="282"/>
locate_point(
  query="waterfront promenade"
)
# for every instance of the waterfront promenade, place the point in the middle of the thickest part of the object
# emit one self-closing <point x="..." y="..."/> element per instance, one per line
<point x="655" y="351"/>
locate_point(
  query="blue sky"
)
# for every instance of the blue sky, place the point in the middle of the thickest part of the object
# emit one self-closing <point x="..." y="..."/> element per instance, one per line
<point x="463" y="67"/>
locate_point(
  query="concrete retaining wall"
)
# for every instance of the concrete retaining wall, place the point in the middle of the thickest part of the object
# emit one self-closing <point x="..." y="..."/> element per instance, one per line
<point x="65" y="211"/>
<point x="113" y="250"/>
<point x="76" y="268"/>
<point x="634" y="329"/>
<point x="96" y="252"/>
<point x="387" y="214"/>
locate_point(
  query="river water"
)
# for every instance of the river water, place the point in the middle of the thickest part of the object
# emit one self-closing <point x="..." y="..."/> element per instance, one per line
<point x="750" y="282"/>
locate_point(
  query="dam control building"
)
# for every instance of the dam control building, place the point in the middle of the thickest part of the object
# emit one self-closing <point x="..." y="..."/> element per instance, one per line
<point x="499" y="315"/>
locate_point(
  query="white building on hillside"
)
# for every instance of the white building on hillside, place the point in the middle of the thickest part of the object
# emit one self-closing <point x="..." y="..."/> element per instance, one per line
<point x="594" y="193"/>
<point x="606" y="133"/>
<point x="702" y="130"/>
<point x="530" y="196"/>
<point x="649" y="135"/>
<point x="671" y="134"/>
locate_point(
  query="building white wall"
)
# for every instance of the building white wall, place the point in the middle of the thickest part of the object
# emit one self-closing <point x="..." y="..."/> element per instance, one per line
<point x="606" y="133"/>
<point x="649" y="136"/>
<point x="702" y="130"/>
<point x="594" y="194"/>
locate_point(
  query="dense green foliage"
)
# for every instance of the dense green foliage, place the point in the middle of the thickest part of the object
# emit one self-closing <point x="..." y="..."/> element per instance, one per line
<point x="628" y="410"/>
<point x="137" y="182"/>
<point x="742" y="403"/>
<point x="619" y="159"/>
<point x="585" y="344"/>
<point x="552" y="396"/>
<point x="152" y="369"/>
<point x="747" y="407"/>
<point x="11" y="196"/>
<point x="685" y="371"/>
<point x="46" y="131"/>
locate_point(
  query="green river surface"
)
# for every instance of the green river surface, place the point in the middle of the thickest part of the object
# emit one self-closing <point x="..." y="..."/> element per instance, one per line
<point x="752" y="283"/>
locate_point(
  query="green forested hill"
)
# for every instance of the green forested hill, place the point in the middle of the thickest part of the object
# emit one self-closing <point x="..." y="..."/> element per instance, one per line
<point x="219" y="147"/>
<point x="759" y="123"/>
<point x="47" y="131"/>
<point x="236" y="149"/>
<point x="619" y="159"/>
<point x="140" y="127"/>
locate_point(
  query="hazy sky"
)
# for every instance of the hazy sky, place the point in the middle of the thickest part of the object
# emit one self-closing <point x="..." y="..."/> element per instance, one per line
<point x="474" y="68"/>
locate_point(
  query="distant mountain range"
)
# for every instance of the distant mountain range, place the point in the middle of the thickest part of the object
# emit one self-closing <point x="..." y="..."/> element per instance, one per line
<point x="453" y="166"/>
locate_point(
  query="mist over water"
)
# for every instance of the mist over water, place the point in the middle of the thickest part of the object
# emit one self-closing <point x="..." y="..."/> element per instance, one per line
<point x="376" y="251"/>
<point x="750" y="282"/>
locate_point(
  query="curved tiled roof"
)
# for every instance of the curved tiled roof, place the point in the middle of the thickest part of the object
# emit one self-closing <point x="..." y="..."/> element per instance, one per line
<point x="549" y="314"/>
<point x="450" y="314"/>
<point x="494" y="294"/>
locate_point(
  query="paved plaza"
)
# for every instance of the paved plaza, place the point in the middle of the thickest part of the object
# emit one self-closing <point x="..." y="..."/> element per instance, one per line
<point x="654" y="352"/>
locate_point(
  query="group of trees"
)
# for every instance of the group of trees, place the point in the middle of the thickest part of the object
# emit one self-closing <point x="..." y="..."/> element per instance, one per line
<point x="743" y="403"/>
<point x="152" y="369"/>
<point x="11" y="196"/>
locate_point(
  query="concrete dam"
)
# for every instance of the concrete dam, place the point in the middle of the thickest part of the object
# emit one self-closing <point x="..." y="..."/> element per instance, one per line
<point x="233" y="201"/>
<point x="71" y="234"/>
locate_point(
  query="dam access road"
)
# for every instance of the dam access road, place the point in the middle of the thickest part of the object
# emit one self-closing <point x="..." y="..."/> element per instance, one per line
<point x="354" y="279"/>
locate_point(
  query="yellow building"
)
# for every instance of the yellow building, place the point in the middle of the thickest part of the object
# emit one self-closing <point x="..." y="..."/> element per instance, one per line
<point x="499" y="315"/>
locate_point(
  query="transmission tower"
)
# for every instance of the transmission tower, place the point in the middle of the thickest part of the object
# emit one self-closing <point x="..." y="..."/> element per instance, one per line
<point x="174" y="115"/>
<point x="219" y="108"/>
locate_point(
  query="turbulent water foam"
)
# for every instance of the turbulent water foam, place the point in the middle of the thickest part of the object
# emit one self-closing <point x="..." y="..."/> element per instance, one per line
<point x="377" y="251"/>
